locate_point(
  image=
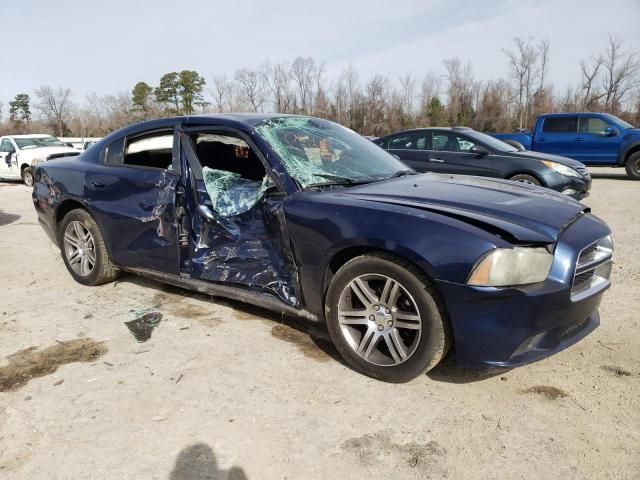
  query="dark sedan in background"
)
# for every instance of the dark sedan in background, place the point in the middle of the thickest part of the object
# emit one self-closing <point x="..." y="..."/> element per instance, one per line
<point x="461" y="150"/>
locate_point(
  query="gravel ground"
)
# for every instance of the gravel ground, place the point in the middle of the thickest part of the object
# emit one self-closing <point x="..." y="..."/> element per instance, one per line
<point x="221" y="390"/>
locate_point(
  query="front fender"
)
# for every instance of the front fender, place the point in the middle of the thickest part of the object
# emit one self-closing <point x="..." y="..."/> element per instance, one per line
<point x="321" y="226"/>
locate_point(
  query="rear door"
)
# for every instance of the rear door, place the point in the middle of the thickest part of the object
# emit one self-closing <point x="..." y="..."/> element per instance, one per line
<point x="592" y="145"/>
<point x="132" y="193"/>
<point x="451" y="152"/>
<point x="557" y="135"/>
<point x="411" y="148"/>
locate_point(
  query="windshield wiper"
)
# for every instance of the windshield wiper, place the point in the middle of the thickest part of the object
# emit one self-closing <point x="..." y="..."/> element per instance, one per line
<point x="402" y="173"/>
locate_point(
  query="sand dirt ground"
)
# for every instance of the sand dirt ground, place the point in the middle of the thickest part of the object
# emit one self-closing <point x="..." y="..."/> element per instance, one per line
<point x="226" y="391"/>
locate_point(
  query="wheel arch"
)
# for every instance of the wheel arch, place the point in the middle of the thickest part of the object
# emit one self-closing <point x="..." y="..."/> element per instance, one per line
<point x="342" y="256"/>
<point x="533" y="174"/>
<point x="633" y="148"/>
<point x="65" y="207"/>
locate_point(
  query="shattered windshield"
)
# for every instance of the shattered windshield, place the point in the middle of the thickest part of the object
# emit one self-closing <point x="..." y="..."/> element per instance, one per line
<point x="319" y="152"/>
<point x="25" y="143"/>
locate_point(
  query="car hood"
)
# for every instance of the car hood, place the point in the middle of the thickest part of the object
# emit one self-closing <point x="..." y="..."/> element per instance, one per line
<point x="569" y="162"/>
<point x="44" y="152"/>
<point x="525" y="213"/>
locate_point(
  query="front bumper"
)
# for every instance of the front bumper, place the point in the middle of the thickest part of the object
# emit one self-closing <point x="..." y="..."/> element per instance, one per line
<point x="509" y="327"/>
<point x="574" y="187"/>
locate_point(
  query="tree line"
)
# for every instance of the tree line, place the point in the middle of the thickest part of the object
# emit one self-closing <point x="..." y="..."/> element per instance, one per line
<point x="609" y="82"/>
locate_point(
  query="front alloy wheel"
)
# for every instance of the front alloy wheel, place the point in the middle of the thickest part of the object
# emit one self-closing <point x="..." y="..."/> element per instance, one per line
<point x="526" y="179"/>
<point x="379" y="319"/>
<point x="27" y="176"/>
<point x="385" y="318"/>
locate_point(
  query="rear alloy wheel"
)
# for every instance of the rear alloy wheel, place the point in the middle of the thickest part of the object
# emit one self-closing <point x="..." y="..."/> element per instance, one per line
<point x="524" y="178"/>
<point x="27" y="176"/>
<point x="83" y="249"/>
<point x="632" y="165"/>
<point x="384" y="319"/>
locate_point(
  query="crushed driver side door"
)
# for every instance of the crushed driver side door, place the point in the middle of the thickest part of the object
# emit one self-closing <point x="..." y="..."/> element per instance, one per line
<point x="237" y="231"/>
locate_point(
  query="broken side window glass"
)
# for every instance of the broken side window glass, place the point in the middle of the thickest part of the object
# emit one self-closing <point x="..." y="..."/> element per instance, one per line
<point x="230" y="193"/>
<point x="234" y="176"/>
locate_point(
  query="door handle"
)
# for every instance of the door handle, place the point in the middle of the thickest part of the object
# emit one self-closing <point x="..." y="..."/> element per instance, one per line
<point x="437" y="160"/>
<point x="98" y="185"/>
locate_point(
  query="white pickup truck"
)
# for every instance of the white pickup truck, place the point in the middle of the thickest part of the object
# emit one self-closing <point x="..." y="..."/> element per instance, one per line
<point x="19" y="153"/>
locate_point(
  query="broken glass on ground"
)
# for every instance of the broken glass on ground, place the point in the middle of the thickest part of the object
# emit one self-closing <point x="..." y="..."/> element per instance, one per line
<point x="142" y="326"/>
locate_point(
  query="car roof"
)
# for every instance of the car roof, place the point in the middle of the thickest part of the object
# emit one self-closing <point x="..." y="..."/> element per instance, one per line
<point x="572" y="114"/>
<point x="423" y="129"/>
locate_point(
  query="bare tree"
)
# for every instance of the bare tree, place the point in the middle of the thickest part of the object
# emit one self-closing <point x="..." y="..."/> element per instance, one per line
<point x="320" y="101"/>
<point x="349" y="79"/>
<point x="543" y="54"/>
<point x="221" y="92"/>
<point x="408" y="93"/>
<point x="590" y="69"/>
<point x="56" y="106"/>
<point x="253" y="88"/>
<point x="622" y="73"/>
<point x="461" y="90"/>
<point x="522" y="64"/>
<point x="277" y="79"/>
<point x="302" y="72"/>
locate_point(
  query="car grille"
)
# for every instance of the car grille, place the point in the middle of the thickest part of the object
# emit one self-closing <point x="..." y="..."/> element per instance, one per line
<point x="582" y="170"/>
<point x="592" y="269"/>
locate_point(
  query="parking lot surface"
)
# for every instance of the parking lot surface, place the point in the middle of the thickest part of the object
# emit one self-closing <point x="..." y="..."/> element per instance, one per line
<point x="222" y="390"/>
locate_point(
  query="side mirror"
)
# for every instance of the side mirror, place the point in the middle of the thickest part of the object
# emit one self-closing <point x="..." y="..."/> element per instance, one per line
<point x="7" y="158"/>
<point x="610" y="132"/>
<point x="206" y="213"/>
<point x="479" y="150"/>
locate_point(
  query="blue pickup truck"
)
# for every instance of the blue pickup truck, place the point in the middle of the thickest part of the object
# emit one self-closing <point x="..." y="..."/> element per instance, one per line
<point x="591" y="138"/>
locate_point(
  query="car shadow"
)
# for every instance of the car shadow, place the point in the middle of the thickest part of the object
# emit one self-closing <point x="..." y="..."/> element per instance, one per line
<point x="447" y="371"/>
<point x="198" y="462"/>
<point x="7" y="218"/>
<point x="611" y="176"/>
<point x="315" y="331"/>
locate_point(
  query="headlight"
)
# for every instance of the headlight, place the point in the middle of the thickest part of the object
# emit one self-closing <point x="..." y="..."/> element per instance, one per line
<point x="562" y="169"/>
<point x="512" y="266"/>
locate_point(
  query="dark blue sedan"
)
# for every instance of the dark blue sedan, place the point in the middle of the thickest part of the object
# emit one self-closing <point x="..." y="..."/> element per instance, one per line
<point x="464" y="151"/>
<point x="303" y="216"/>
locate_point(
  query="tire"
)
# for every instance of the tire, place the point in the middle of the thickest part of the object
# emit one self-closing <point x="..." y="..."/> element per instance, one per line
<point x="83" y="250"/>
<point x="27" y="176"/>
<point x="632" y="165"/>
<point x="524" y="178"/>
<point x="374" y="330"/>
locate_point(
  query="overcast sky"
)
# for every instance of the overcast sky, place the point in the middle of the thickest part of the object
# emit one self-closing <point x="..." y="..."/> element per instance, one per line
<point x="108" y="46"/>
